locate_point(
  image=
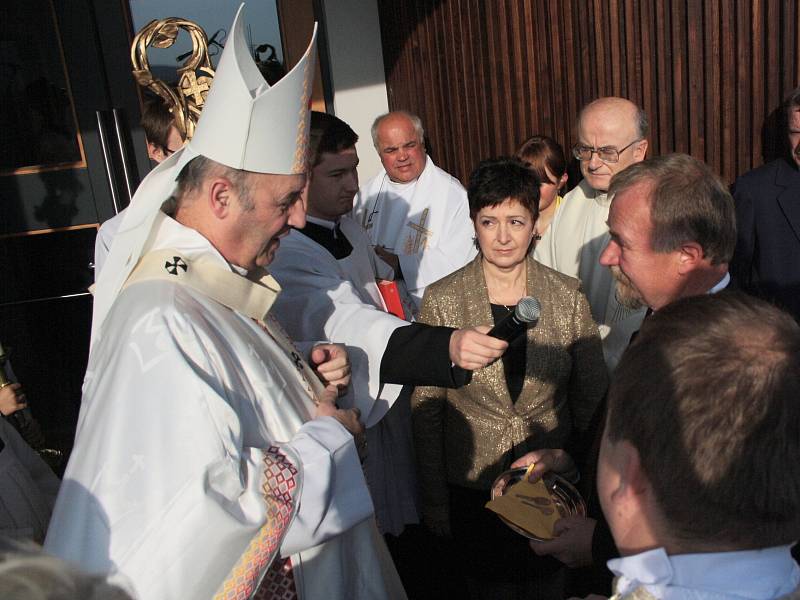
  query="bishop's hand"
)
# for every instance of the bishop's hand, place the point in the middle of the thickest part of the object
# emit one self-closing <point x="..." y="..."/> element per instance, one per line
<point x="348" y="417"/>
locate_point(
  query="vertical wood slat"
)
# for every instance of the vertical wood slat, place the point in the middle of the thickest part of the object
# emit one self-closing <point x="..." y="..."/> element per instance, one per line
<point x="485" y="75"/>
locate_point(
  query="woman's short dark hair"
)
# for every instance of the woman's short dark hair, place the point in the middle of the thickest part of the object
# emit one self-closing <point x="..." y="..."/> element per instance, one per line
<point x="543" y="154"/>
<point x="498" y="179"/>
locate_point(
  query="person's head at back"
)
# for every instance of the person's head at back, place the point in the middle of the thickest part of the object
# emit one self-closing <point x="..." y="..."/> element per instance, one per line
<point x="163" y="138"/>
<point x="612" y="135"/>
<point x="673" y="230"/>
<point x="27" y="573"/>
<point x="701" y="450"/>
<point x="546" y="159"/>
<point x="791" y="107"/>
<point x="243" y="214"/>
<point x="503" y="196"/>
<point x="399" y="139"/>
<point x="333" y="160"/>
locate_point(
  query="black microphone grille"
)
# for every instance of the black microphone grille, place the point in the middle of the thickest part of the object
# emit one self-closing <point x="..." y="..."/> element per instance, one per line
<point x="528" y="309"/>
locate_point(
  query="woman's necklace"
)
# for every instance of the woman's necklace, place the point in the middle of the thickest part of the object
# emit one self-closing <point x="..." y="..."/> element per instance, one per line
<point x="516" y="290"/>
<point x="509" y="308"/>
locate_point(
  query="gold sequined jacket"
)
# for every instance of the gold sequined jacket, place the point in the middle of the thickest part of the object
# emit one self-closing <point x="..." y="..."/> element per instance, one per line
<point x="468" y="436"/>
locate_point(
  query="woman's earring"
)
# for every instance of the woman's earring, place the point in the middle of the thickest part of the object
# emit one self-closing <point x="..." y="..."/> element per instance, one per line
<point x="477" y="244"/>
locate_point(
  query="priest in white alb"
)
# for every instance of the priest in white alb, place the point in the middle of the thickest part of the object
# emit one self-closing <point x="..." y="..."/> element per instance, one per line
<point x="328" y="272"/>
<point x="415" y="213"/>
<point x="211" y="460"/>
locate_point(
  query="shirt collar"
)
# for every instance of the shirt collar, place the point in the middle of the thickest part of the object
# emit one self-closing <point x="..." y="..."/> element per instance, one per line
<point x="722" y="284"/>
<point x="322" y="222"/>
<point x="752" y="574"/>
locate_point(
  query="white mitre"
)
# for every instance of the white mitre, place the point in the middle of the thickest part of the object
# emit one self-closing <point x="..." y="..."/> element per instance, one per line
<point x="245" y="124"/>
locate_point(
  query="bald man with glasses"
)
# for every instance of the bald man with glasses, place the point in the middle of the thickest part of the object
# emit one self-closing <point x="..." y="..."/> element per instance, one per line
<point x="612" y="135"/>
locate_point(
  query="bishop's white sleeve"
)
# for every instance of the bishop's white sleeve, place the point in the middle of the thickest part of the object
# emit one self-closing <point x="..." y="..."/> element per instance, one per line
<point x="334" y="496"/>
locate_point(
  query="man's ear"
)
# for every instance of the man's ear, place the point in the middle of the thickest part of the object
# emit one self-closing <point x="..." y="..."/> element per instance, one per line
<point x="691" y="256"/>
<point x="633" y="482"/>
<point x="220" y="196"/>
<point x="154" y="152"/>
<point x="640" y="152"/>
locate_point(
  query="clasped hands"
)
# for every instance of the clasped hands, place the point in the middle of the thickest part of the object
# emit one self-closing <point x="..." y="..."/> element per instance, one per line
<point x="331" y="363"/>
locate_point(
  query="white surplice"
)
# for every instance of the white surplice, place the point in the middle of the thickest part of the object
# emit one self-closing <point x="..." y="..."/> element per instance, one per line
<point x="425" y="222"/>
<point x="572" y="245"/>
<point x="339" y="300"/>
<point x="163" y="490"/>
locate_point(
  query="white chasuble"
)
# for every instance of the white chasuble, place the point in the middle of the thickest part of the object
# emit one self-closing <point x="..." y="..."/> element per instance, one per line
<point x="425" y="222"/>
<point x="182" y="401"/>
<point x="572" y="245"/>
<point x="339" y="301"/>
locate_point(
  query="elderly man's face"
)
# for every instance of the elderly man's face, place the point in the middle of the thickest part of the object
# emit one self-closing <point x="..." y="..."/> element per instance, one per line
<point x="609" y="127"/>
<point x="794" y="134"/>
<point x="643" y="276"/>
<point x="276" y="207"/>
<point x="400" y="149"/>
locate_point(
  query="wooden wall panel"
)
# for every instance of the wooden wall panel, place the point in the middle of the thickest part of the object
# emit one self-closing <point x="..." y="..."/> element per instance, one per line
<point x="484" y="75"/>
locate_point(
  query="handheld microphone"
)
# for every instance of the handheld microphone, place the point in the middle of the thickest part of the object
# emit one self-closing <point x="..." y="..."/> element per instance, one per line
<point x="509" y="328"/>
<point x="527" y="311"/>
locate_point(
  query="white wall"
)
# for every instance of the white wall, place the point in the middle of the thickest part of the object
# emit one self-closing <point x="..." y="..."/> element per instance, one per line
<point x="356" y="69"/>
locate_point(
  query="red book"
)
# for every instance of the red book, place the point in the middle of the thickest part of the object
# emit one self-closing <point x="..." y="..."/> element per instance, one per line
<point x="391" y="298"/>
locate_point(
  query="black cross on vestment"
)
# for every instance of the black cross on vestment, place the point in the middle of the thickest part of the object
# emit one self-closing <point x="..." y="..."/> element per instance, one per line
<point x="177" y="263"/>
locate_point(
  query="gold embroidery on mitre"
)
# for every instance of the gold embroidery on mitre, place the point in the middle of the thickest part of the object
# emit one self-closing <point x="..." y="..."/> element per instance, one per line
<point x="301" y="142"/>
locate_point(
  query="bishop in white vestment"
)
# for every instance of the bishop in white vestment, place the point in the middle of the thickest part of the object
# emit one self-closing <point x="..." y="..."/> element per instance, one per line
<point x="209" y="462"/>
<point x="184" y="401"/>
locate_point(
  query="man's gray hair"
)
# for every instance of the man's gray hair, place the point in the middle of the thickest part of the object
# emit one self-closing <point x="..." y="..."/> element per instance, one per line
<point x="642" y="124"/>
<point x="197" y="170"/>
<point x="688" y="203"/>
<point x="27" y="573"/>
<point x="415" y="121"/>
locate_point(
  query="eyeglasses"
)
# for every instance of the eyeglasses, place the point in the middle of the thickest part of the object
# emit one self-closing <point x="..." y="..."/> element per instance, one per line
<point x="608" y="154"/>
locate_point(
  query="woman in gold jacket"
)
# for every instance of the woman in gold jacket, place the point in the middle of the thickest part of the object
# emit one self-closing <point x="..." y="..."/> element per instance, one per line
<point x="541" y="394"/>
